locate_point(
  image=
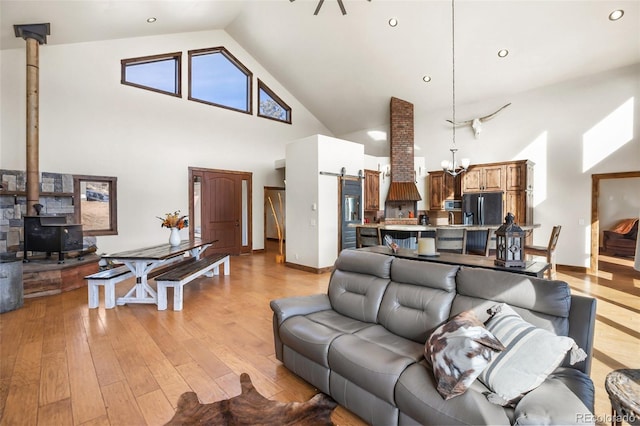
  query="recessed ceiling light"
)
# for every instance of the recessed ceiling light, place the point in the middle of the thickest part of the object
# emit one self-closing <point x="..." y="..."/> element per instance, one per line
<point x="502" y="53"/>
<point x="616" y="14"/>
<point x="393" y="22"/>
<point x="151" y="20"/>
<point x="426" y="78"/>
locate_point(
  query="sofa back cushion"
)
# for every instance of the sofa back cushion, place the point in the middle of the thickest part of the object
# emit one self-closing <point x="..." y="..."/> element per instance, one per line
<point x="418" y="298"/>
<point x="358" y="282"/>
<point x="543" y="303"/>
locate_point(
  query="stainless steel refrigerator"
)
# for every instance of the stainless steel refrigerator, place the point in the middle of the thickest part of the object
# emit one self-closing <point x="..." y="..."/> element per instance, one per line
<point x="484" y="208"/>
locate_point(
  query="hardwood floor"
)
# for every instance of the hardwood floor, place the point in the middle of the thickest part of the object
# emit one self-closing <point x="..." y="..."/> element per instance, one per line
<point x="62" y="363"/>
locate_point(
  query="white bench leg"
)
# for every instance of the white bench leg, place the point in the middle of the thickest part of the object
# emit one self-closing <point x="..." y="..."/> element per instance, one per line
<point x="227" y="268"/>
<point x="93" y="294"/>
<point x="162" y="296"/>
<point x="109" y="295"/>
<point x="177" y="297"/>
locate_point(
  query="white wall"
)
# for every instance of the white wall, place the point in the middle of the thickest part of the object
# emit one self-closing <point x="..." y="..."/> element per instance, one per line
<point x="91" y="124"/>
<point x="570" y="130"/>
<point x="312" y="198"/>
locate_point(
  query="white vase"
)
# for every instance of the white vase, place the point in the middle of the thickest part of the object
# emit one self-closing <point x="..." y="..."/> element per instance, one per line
<point x="174" y="237"/>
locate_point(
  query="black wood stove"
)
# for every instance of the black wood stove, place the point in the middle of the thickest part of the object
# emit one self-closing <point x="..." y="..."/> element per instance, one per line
<point x="51" y="234"/>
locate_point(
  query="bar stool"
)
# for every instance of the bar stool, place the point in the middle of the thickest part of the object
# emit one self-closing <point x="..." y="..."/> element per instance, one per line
<point x="366" y="237"/>
<point x="549" y="251"/>
<point x="451" y="240"/>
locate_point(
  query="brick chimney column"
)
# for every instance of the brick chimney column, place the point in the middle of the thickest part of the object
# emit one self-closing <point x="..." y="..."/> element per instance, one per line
<point x="401" y="140"/>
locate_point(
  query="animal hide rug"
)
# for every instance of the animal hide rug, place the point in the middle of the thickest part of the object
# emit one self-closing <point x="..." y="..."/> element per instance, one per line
<point x="251" y="408"/>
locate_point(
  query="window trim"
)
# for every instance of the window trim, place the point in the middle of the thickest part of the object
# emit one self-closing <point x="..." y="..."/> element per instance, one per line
<point x="177" y="56"/>
<point x="279" y="101"/>
<point x="113" y="203"/>
<point x="222" y="50"/>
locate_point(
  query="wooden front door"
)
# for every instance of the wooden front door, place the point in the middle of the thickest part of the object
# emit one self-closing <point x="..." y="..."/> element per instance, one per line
<point x="225" y="209"/>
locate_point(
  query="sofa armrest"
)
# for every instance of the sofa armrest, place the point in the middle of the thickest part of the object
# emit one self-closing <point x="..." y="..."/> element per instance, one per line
<point x="300" y="305"/>
<point x="582" y="319"/>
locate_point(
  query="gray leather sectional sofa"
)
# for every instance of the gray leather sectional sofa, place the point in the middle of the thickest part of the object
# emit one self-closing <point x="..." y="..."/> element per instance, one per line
<point x="363" y="341"/>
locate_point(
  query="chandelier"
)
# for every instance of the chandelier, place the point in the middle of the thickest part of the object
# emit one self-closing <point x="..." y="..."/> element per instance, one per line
<point x="452" y="167"/>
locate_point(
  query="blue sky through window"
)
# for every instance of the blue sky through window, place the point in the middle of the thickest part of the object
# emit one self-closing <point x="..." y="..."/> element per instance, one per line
<point x="215" y="79"/>
<point x="159" y="75"/>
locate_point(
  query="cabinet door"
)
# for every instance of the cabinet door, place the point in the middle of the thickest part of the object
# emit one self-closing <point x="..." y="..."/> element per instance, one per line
<point x="516" y="203"/>
<point x="371" y="190"/>
<point x="493" y="178"/>
<point x="451" y="189"/>
<point x="436" y="184"/>
<point x="471" y="180"/>
<point x="516" y="178"/>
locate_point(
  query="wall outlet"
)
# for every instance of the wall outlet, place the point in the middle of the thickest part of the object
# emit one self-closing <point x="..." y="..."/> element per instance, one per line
<point x="580" y="221"/>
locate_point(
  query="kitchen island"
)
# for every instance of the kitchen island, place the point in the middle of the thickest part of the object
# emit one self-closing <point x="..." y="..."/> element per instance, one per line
<point x="406" y="235"/>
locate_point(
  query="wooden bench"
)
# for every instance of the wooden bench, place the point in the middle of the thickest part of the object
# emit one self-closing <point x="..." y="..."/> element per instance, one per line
<point x="107" y="278"/>
<point x="184" y="273"/>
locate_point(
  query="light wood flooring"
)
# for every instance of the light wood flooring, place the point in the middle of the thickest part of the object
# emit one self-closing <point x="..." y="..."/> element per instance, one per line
<point x="64" y="364"/>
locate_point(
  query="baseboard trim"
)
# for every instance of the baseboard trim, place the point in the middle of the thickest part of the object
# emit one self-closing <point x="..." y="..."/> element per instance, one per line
<point x="573" y="268"/>
<point x="309" y="268"/>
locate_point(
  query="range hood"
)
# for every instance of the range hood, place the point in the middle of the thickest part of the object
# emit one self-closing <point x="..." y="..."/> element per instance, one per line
<point x="402" y="187"/>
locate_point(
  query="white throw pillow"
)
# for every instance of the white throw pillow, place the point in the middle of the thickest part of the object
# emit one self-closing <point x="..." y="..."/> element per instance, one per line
<point x="531" y="355"/>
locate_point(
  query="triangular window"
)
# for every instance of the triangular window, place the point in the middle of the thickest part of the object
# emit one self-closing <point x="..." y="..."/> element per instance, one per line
<point x="160" y="73"/>
<point x="271" y="106"/>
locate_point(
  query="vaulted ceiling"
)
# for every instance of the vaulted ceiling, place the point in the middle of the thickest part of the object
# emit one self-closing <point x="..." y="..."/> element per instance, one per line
<point x="345" y="68"/>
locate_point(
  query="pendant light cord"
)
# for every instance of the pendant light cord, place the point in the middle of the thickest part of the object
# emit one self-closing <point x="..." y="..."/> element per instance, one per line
<point x="453" y="66"/>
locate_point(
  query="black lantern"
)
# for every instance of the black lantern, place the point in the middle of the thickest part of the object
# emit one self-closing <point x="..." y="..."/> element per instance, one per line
<point x="510" y="244"/>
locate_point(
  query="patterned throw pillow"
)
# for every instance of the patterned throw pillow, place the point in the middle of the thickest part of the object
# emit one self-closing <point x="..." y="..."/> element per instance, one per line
<point x="531" y="355"/>
<point x="459" y="350"/>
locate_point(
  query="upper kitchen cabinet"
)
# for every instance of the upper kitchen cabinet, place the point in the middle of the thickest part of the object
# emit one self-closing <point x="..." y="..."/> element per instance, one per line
<point x="519" y="176"/>
<point x="371" y="190"/>
<point x="484" y="177"/>
<point x="514" y="178"/>
<point x="442" y="186"/>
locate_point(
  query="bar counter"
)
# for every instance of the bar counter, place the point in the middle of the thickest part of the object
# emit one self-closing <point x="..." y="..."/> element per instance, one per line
<point x="418" y="228"/>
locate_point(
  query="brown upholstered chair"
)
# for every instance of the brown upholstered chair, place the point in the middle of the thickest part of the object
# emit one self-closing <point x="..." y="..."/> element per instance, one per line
<point x="621" y="240"/>
<point x="548" y="251"/>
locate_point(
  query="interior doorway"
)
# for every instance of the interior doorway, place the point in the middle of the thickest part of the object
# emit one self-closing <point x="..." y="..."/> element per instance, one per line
<point x="220" y="209"/>
<point x="274" y="219"/>
<point x="595" y="213"/>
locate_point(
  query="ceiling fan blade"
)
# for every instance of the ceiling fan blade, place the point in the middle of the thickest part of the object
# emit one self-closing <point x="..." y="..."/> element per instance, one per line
<point x="344" y="11"/>
<point x="318" y="8"/>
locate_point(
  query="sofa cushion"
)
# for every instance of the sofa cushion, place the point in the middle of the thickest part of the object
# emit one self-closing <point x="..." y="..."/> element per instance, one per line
<point x="459" y="350"/>
<point x="417" y="397"/>
<point x="418" y="298"/>
<point x="358" y="282"/>
<point x="308" y="338"/>
<point x="370" y="366"/>
<point x="531" y="355"/>
<point x="565" y="397"/>
<point x="543" y="303"/>
<point x="382" y="337"/>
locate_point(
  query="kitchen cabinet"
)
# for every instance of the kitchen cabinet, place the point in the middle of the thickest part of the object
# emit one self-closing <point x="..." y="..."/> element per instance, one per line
<point x="371" y="190"/>
<point x="513" y="178"/>
<point x="482" y="177"/>
<point x="442" y="186"/>
<point x="519" y="176"/>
